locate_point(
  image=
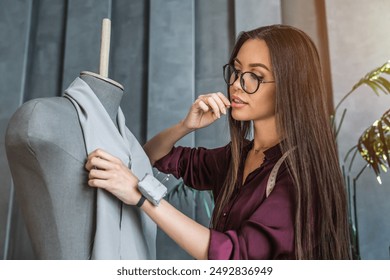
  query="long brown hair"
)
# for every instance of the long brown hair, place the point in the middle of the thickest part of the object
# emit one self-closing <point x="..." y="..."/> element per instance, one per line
<point x="302" y="117"/>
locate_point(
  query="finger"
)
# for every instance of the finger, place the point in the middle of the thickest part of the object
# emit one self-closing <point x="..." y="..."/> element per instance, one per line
<point x="93" y="154"/>
<point x="214" y="106"/>
<point x="99" y="174"/>
<point x="89" y="165"/>
<point x="98" y="183"/>
<point x="107" y="156"/>
<point x="224" y="99"/>
<point x="104" y="155"/>
<point x="203" y="106"/>
<point x="97" y="162"/>
<point x="220" y="103"/>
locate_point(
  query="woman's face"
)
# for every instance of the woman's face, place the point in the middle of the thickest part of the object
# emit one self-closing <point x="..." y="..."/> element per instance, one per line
<point x="253" y="57"/>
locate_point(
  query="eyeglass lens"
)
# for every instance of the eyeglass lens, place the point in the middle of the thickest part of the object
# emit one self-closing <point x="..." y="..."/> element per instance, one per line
<point x="249" y="81"/>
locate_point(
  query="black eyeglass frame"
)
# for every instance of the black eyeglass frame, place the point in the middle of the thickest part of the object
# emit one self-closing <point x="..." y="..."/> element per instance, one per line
<point x="259" y="81"/>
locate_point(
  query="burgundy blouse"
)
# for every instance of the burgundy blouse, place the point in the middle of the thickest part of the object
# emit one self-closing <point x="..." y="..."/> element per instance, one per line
<point x="252" y="226"/>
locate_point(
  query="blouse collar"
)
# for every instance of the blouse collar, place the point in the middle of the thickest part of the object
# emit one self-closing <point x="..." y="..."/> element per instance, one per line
<point x="271" y="153"/>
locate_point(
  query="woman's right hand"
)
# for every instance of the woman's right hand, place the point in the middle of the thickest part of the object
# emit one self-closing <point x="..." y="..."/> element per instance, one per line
<point x="206" y="109"/>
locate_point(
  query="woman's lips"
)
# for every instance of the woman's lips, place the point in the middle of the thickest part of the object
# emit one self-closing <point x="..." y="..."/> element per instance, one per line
<point x="237" y="102"/>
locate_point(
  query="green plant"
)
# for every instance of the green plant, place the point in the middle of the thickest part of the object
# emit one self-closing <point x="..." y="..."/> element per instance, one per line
<point x="373" y="145"/>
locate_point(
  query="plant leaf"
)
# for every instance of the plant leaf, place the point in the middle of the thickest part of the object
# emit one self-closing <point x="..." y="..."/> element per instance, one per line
<point x="374" y="144"/>
<point x="374" y="80"/>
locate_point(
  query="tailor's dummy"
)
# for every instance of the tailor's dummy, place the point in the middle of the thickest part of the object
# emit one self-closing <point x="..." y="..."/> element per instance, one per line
<point x="47" y="150"/>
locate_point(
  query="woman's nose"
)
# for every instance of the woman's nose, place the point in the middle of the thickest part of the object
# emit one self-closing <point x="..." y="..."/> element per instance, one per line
<point x="237" y="84"/>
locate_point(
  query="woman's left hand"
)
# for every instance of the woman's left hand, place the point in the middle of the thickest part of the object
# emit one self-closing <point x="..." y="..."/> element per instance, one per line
<point x="109" y="173"/>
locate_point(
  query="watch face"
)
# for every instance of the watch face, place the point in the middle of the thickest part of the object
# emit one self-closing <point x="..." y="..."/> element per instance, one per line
<point x="152" y="189"/>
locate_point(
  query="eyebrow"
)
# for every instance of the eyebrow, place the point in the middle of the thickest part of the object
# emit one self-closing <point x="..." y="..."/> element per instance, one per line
<point x="254" y="64"/>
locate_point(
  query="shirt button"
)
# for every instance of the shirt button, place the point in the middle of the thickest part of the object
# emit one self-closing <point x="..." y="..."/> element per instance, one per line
<point x="224" y="214"/>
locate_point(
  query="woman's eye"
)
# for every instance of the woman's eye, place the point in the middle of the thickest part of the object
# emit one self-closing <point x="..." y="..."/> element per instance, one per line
<point x="261" y="78"/>
<point x="256" y="77"/>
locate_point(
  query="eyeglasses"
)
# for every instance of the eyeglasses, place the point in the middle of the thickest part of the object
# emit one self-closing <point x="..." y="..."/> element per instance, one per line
<point x="249" y="81"/>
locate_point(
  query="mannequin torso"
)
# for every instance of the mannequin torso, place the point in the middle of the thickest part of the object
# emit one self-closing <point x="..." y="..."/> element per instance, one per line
<point x="46" y="153"/>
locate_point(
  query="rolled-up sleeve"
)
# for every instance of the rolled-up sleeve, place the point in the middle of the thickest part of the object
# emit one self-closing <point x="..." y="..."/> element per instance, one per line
<point x="267" y="234"/>
<point x="200" y="168"/>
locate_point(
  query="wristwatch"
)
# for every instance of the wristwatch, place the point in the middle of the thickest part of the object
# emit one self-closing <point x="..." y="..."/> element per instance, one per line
<point x="152" y="189"/>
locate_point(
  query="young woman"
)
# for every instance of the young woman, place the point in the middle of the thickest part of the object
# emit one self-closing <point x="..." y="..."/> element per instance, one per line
<point x="279" y="195"/>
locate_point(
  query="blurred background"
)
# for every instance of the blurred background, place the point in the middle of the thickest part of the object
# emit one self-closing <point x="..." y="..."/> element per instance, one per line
<point x="166" y="53"/>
